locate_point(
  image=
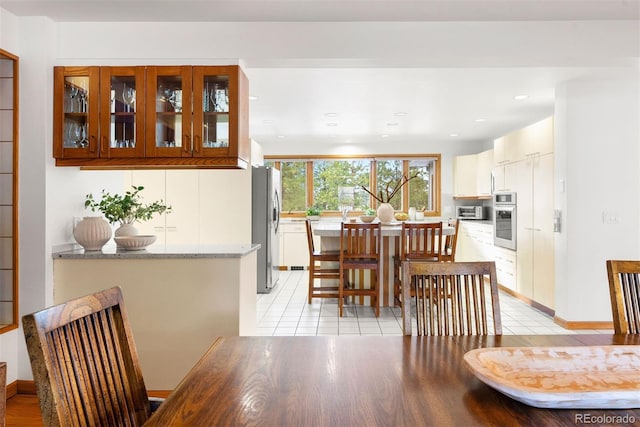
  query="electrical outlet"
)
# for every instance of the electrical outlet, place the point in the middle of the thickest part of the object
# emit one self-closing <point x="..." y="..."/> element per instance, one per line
<point x="610" y="217"/>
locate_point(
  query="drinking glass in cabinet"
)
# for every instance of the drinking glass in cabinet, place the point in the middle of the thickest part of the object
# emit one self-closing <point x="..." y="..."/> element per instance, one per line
<point x="76" y="94"/>
<point x="123" y="112"/>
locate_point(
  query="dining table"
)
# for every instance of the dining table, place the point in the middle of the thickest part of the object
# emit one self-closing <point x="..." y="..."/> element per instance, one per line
<point x="365" y="381"/>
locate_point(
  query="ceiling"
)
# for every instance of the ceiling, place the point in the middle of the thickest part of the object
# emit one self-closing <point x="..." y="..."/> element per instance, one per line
<point x="362" y="88"/>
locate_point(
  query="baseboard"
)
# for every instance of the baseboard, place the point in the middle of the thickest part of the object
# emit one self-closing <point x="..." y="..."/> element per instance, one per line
<point x="572" y="324"/>
<point x="293" y="268"/>
<point x="567" y="324"/>
<point x="12" y="389"/>
<point x="528" y="301"/>
<point x="26" y="387"/>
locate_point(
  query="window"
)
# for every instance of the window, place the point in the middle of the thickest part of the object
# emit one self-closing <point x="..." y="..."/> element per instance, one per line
<point x="333" y="184"/>
<point x="337" y="184"/>
<point x="294" y="180"/>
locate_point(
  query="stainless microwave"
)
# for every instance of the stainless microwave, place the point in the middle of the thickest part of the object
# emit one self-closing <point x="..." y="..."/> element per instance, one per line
<point x="471" y="212"/>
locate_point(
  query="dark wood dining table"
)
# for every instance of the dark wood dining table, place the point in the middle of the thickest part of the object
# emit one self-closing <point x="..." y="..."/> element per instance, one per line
<point x="362" y="381"/>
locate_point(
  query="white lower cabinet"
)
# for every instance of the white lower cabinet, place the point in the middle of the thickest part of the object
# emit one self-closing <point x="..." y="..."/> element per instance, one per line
<point x="505" y="267"/>
<point x="295" y="251"/>
<point x="475" y="241"/>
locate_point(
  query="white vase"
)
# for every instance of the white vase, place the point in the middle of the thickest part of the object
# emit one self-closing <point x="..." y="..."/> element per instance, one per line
<point x="126" y="229"/>
<point x="92" y="233"/>
<point x="385" y="213"/>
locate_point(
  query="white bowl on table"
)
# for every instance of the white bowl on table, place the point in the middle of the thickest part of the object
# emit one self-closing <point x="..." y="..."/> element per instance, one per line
<point x="367" y="218"/>
<point x="134" y="243"/>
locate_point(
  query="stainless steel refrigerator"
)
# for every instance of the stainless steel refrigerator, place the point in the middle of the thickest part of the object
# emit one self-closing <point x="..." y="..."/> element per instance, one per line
<point x="265" y="224"/>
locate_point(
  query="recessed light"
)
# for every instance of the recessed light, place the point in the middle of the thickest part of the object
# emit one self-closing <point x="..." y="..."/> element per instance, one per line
<point x="520" y="97"/>
<point x="280" y="136"/>
<point x="331" y="114"/>
<point x="267" y="122"/>
<point x="392" y="124"/>
<point x="400" y="114"/>
<point x="332" y="124"/>
<point x="481" y="120"/>
<point x="253" y="98"/>
<point x="453" y="134"/>
<point x="384" y="136"/>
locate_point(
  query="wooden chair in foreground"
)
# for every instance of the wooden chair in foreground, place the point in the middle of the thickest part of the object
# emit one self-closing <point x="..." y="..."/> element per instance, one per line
<point x="624" y="289"/>
<point x="420" y="242"/>
<point x="359" y="252"/>
<point x="85" y="364"/>
<point x="451" y="298"/>
<point x="320" y="272"/>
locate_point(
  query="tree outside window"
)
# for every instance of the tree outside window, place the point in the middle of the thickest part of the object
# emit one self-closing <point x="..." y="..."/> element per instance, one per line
<point x="421" y="194"/>
<point x="388" y="173"/>
<point x="330" y="175"/>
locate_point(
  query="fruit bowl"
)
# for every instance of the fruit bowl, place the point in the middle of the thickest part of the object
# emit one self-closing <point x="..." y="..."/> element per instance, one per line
<point x="367" y="218"/>
<point x="402" y="216"/>
<point x="134" y="243"/>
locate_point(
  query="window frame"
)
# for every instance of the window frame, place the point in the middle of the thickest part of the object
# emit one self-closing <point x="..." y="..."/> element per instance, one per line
<point x="405" y="158"/>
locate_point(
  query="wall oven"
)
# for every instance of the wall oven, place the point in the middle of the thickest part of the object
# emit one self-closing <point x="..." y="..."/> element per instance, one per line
<point x="504" y="220"/>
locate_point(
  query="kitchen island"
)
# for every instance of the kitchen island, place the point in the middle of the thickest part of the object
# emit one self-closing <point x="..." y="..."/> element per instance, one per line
<point x="179" y="298"/>
<point x="329" y="233"/>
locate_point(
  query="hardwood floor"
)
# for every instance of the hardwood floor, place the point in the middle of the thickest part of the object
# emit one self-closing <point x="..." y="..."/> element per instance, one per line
<point x="23" y="411"/>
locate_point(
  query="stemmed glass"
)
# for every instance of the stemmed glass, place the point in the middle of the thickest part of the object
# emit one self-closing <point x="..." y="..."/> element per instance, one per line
<point x="128" y="96"/>
<point x="73" y="93"/>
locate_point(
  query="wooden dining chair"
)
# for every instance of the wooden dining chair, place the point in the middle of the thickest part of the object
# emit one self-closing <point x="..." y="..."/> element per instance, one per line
<point x="84" y="363"/>
<point x="418" y="241"/>
<point x="451" y="298"/>
<point x="624" y="289"/>
<point x="448" y="253"/>
<point x="359" y="252"/>
<point x="318" y="271"/>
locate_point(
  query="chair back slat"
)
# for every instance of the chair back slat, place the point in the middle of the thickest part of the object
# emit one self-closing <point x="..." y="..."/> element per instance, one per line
<point x="624" y="290"/>
<point x="421" y="241"/>
<point x="451" y="298"/>
<point x="85" y="364"/>
<point x="450" y="243"/>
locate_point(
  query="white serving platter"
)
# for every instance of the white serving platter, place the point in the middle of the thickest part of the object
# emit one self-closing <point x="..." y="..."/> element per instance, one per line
<point x="587" y="377"/>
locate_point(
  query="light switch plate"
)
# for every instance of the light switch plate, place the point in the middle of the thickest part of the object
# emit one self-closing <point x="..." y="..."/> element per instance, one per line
<point x="610" y="217"/>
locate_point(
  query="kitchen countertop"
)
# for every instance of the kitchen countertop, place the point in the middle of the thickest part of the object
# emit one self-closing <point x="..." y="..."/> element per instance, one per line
<point x="160" y="251"/>
<point x="332" y="229"/>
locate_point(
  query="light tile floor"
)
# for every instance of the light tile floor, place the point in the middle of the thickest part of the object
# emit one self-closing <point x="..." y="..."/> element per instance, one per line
<point x="285" y="312"/>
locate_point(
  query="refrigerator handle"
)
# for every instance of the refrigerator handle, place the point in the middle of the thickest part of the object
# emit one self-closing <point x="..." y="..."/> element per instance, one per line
<point x="276" y="211"/>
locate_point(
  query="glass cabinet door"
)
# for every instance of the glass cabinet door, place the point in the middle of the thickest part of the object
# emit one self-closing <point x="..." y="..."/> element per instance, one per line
<point x="169" y="115"/>
<point x="122" y="104"/>
<point x="213" y="97"/>
<point x="9" y="194"/>
<point x="76" y="112"/>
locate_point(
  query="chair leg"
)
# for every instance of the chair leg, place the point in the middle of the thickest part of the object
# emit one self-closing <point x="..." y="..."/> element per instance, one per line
<point x="311" y="280"/>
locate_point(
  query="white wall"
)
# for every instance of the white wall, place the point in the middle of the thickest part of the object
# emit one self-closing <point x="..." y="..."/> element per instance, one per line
<point x="597" y="152"/>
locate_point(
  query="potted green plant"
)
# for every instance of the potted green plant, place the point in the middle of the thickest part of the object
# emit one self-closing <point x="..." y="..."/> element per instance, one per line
<point x="125" y="209"/>
<point x="313" y="213"/>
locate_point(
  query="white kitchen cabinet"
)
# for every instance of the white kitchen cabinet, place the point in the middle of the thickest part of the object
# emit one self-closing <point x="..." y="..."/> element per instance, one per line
<point x="179" y="189"/>
<point x="295" y="251"/>
<point x="483" y="174"/>
<point x="472" y="174"/>
<point x="475" y="241"/>
<point x="535" y="240"/>
<point x="465" y="177"/>
<point x="503" y="151"/>
<point x="535" y="139"/>
<point x="505" y="260"/>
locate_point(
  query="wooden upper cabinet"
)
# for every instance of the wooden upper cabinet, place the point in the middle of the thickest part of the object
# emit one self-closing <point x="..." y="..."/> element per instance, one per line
<point x="76" y="112"/>
<point x="122" y="106"/>
<point x="169" y="116"/>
